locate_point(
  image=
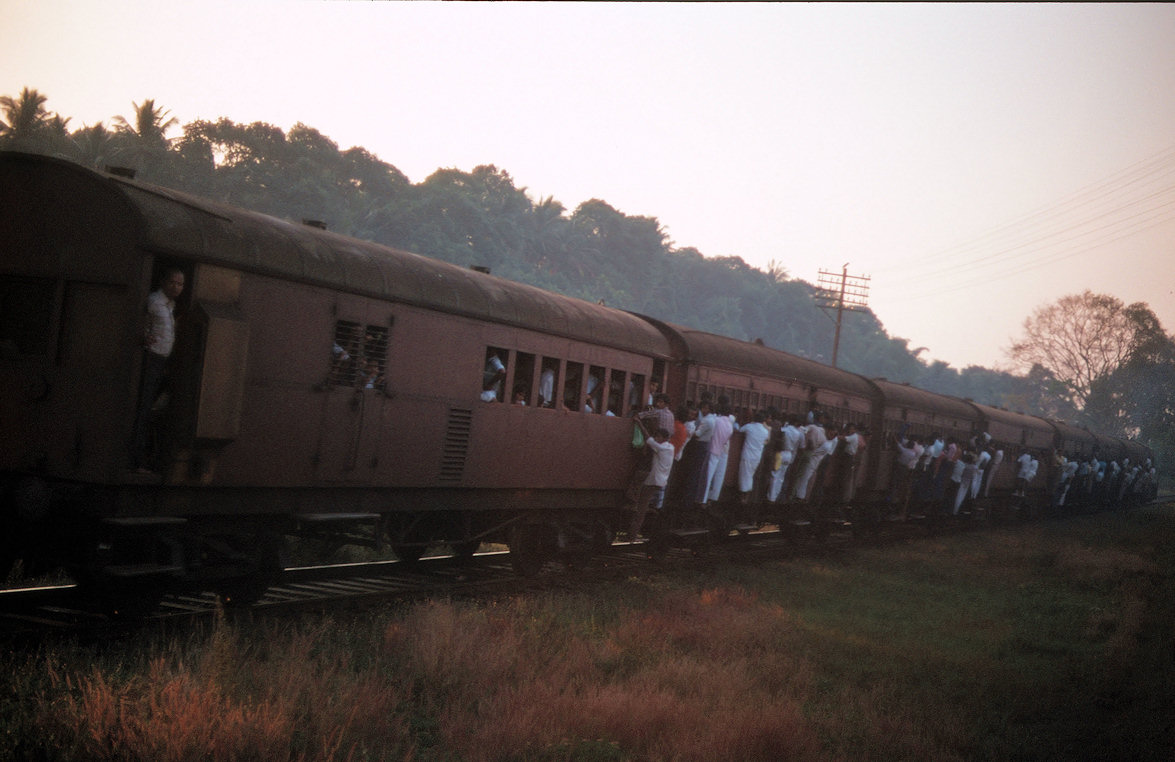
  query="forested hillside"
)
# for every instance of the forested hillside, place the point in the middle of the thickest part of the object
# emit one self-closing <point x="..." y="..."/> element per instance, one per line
<point x="482" y="217"/>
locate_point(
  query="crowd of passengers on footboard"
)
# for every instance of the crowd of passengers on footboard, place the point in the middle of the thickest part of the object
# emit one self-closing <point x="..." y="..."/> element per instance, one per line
<point x="806" y="460"/>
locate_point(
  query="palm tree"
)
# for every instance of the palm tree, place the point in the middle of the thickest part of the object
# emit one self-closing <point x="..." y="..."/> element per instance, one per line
<point x="93" y="146"/>
<point x="144" y="141"/>
<point x="26" y="121"/>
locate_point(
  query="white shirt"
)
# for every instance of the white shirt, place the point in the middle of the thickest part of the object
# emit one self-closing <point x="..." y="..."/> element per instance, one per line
<point x="662" y="462"/>
<point x="546" y="387"/>
<point x="792" y="438"/>
<point x="160" y="323"/>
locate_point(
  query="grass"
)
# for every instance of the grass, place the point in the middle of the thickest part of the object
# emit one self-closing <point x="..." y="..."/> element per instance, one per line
<point x="1048" y="641"/>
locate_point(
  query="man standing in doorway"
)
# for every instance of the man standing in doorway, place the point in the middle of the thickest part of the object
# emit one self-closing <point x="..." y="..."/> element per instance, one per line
<point x="158" y="341"/>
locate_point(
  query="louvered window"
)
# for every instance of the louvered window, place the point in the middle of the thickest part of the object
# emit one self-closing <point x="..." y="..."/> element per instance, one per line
<point x="456" y="445"/>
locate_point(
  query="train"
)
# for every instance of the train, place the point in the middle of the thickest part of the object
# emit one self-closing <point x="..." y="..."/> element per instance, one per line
<point x="331" y="391"/>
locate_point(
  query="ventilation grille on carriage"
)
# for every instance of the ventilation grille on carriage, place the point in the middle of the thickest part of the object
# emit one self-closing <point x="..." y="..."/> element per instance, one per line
<point x="456" y="445"/>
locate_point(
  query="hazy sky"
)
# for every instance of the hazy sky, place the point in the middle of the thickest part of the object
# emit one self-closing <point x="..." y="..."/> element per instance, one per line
<point x="975" y="160"/>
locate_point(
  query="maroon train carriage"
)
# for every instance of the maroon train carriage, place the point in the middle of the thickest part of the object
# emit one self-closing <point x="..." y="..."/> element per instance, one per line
<point x="1013" y="434"/>
<point x="920" y="413"/>
<point x="321" y="386"/>
<point x="754" y="377"/>
<point x="344" y="392"/>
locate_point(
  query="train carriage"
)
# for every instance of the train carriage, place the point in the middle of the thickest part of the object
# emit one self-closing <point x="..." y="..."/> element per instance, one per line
<point x="317" y="381"/>
<point x="1011" y="435"/>
<point x="919" y="413"/>
<point x="345" y="392"/>
<point x="754" y="377"/>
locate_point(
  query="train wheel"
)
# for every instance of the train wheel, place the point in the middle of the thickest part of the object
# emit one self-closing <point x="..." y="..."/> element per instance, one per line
<point x="7" y="558"/>
<point x="242" y="591"/>
<point x="268" y="562"/>
<point x="408" y="554"/>
<point x="527" y="552"/>
<point x="463" y="551"/>
<point x="657" y="547"/>
<point x="602" y="537"/>
<point x="125" y="598"/>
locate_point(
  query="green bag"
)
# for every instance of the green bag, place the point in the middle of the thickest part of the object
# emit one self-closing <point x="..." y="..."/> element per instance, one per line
<point x="638" y="437"/>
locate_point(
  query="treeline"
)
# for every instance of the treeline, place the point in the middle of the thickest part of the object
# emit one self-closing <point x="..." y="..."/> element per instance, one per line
<point x="481" y="217"/>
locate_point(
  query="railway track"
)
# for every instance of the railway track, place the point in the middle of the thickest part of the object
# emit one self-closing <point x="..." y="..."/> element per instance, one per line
<point x="31" y="614"/>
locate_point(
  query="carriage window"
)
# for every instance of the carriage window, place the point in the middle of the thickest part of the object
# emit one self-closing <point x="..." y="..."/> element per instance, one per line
<point x="595" y="390"/>
<point x="548" y="382"/>
<point x="345" y="351"/>
<point x="571" y="386"/>
<point x="617" y="383"/>
<point x="26" y="312"/>
<point x="636" y="390"/>
<point x="493" y="375"/>
<point x="358" y="356"/>
<point x="375" y="357"/>
<point x="521" y="392"/>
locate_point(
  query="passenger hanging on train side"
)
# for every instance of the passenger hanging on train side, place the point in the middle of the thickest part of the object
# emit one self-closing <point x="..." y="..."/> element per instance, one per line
<point x="659" y="416"/>
<point x="814" y="439"/>
<point x="1023" y="468"/>
<point x="965" y="468"/>
<point x="158" y="340"/>
<point x="1099" y="492"/>
<point x="719" y="451"/>
<point x="997" y="460"/>
<point x="790" y="440"/>
<point x="817" y="439"/>
<point x="696" y="458"/>
<point x="799" y="463"/>
<point x="684" y="422"/>
<point x="909" y="450"/>
<point x="755" y="436"/>
<point x="846" y="455"/>
<point x="825" y="487"/>
<point x="944" y="467"/>
<point x="1066" y="470"/>
<point x="650" y="494"/>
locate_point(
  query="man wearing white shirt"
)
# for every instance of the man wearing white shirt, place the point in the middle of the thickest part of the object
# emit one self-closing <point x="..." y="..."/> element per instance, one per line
<point x="158" y="341"/>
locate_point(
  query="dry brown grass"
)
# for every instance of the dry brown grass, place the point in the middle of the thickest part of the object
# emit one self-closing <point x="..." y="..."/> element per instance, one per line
<point x="982" y="647"/>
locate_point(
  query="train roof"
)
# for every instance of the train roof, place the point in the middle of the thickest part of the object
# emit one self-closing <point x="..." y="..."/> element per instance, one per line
<point x="1016" y="429"/>
<point x="904" y="395"/>
<point x="1070" y="437"/>
<point x="721" y="351"/>
<point x="182" y="225"/>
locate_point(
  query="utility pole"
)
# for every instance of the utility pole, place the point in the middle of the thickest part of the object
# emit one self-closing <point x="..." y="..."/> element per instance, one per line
<point x="841" y="291"/>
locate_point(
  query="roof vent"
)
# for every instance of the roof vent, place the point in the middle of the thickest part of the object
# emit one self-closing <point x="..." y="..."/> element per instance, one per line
<point x="315" y="224"/>
<point x="126" y="172"/>
<point x="480" y="269"/>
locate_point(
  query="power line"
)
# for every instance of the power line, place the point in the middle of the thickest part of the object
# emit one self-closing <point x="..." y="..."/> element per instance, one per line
<point x="1128" y="199"/>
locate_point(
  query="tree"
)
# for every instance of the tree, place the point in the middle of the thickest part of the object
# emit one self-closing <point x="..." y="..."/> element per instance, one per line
<point x="28" y="126"/>
<point x="92" y="146"/>
<point x="1082" y="338"/>
<point x="143" y="141"/>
